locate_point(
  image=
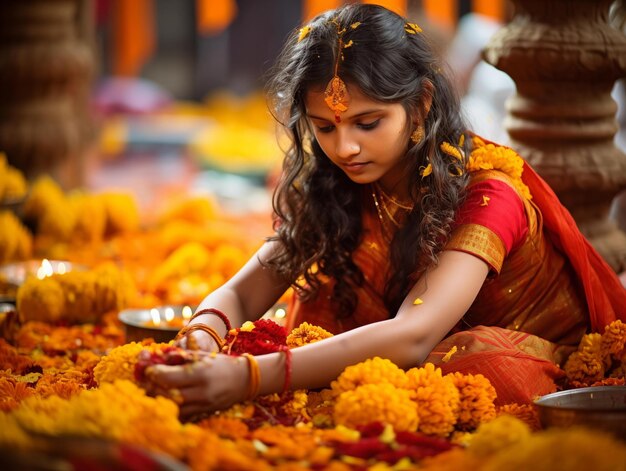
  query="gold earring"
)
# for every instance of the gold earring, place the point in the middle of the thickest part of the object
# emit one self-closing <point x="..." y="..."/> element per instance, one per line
<point x="418" y="134"/>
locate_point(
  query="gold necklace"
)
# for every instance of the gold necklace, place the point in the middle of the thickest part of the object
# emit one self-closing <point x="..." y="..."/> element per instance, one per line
<point x="399" y="204"/>
<point x="383" y="226"/>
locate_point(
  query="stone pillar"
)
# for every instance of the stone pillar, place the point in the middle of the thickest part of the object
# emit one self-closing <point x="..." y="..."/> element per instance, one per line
<point x="46" y="66"/>
<point x="565" y="58"/>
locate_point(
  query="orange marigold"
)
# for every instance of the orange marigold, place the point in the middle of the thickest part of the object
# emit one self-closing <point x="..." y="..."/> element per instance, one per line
<point x="372" y="371"/>
<point x="613" y="340"/>
<point x="527" y="413"/>
<point x="305" y="334"/>
<point x="382" y="402"/>
<point x="586" y="365"/>
<point x="477" y="400"/>
<point x="437" y="399"/>
<point x="225" y="427"/>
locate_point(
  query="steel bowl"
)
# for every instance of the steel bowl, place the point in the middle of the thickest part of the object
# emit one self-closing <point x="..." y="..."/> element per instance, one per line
<point x="138" y="324"/>
<point x="600" y="407"/>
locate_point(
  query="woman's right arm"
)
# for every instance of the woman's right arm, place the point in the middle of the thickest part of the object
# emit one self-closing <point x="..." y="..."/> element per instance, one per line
<point x="245" y="297"/>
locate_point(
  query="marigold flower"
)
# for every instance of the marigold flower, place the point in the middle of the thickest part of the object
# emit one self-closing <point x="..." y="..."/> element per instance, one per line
<point x="586" y="365"/>
<point x="489" y="156"/>
<point x="382" y="402"/>
<point x="437" y="399"/>
<point x="122" y="212"/>
<point x="477" y="400"/>
<point x="305" y="334"/>
<point x="16" y="242"/>
<point x="498" y="434"/>
<point x="613" y="340"/>
<point x="90" y="217"/>
<point x="119" y="363"/>
<point x="13" y="184"/>
<point x="12" y="392"/>
<point x="225" y="427"/>
<point x="456" y="459"/>
<point x="527" y="413"/>
<point x="371" y="371"/>
<point x="570" y="449"/>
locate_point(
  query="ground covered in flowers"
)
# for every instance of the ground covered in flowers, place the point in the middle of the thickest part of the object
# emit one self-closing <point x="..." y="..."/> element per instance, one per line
<point x="67" y="372"/>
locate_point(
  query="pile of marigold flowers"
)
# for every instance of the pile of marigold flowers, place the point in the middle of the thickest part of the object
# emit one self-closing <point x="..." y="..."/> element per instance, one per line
<point x="373" y="416"/>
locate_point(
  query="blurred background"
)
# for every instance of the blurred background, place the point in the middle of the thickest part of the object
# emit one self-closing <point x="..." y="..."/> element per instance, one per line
<point x="163" y="100"/>
<point x="143" y="94"/>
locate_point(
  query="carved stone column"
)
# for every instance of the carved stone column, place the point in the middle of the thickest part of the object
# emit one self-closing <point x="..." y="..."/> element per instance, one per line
<point x="46" y="65"/>
<point x="565" y="58"/>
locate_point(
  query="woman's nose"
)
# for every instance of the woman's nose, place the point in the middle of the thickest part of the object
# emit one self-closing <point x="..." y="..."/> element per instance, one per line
<point x="345" y="147"/>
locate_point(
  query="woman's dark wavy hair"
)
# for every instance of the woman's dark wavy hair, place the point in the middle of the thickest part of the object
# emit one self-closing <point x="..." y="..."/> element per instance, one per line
<point x="318" y="208"/>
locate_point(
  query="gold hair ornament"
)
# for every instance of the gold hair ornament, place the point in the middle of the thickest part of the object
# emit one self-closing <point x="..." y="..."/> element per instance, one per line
<point x="412" y="28"/>
<point x="336" y="93"/>
<point x="304" y="32"/>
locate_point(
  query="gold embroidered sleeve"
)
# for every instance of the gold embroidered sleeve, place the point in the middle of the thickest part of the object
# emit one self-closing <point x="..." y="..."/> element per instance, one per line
<point x="479" y="241"/>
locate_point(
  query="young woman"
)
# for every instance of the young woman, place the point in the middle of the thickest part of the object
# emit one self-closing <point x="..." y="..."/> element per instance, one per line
<point x="401" y="233"/>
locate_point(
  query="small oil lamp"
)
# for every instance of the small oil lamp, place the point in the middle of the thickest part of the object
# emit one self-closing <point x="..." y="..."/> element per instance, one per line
<point x="160" y="323"/>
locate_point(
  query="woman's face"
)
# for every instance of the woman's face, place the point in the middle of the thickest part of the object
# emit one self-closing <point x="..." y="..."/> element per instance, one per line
<point x="370" y="142"/>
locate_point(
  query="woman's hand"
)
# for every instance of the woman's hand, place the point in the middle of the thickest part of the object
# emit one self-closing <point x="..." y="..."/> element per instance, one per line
<point x="210" y="384"/>
<point x="198" y="340"/>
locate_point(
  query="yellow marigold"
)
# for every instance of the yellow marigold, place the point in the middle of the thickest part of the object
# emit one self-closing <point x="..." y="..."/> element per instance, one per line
<point x="371" y="371"/>
<point x="16" y="242"/>
<point x="119" y="363"/>
<point x="13" y="185"/>
<point x="477" y="400"/>
<point x="77" y="296"/>
<point x="44" y="194"/>
<point x="437" y="399"/>
<point x="41" y="300"/>
<point x="489" y="156"/>
<point x="12" y="436"/>
<point x="90" y="217"/>
<point x="571" y="449"/>
<point x="527" y="413"/>
<point x="122" y="212"/>
<point x="192" y="257"/>
<point x="297" y="404"/>
<point x="117" y="411"/>
<point x="382" y="402"/>
<point x="195" y="210"/>
<point x="500" y="433"/>
<point x="305" y="334"/>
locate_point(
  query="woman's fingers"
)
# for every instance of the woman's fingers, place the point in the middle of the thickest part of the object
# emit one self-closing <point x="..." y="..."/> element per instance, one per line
<point x="179" y="376"/>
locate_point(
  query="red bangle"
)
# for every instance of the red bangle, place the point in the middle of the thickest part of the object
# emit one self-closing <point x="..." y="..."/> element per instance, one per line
<point x="287" y="353"/>
<point x="217" y="312"/>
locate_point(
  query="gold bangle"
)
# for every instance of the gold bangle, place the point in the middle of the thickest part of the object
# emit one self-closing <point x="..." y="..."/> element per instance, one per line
<point x="204" y="328"/>
<point x="254" y="383"/>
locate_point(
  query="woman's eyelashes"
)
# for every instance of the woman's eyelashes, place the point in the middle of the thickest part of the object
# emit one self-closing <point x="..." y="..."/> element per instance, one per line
<point x="364" y="126"/>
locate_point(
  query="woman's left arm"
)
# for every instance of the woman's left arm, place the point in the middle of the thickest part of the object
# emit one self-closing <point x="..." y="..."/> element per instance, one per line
<point x="446" y="292"/>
